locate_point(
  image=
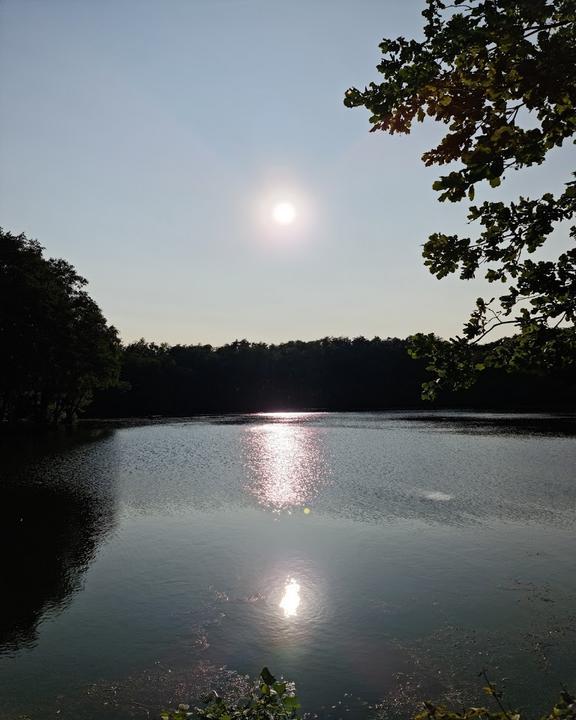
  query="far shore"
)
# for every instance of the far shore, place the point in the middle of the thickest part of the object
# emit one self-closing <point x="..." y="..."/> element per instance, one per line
<point x="560" y="417"/>
<point x="408" y="414"/>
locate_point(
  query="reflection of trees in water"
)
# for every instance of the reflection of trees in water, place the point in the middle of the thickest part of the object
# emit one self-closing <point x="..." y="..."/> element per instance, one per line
<point x="56" y="507"/>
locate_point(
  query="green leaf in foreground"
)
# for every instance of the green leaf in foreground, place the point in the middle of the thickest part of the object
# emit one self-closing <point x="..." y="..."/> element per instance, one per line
<point x="276" y="700"/>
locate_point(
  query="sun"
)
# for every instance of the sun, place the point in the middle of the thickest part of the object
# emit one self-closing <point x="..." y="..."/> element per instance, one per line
<point x="284" y="213"/>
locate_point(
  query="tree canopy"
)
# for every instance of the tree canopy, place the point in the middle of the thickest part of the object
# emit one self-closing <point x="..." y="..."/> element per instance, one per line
<point x="501" y="76"/>
<point x="60" y="357"/>
<point x="57" y="347"/>
<point x="327" y="374"/>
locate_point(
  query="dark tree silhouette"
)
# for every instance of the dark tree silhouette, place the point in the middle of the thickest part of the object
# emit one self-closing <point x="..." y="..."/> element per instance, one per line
<point x="328" y="374"/>
<point x="57" y="348"/>
<point x="501" y="76"/>
<point x="59" y="353"/>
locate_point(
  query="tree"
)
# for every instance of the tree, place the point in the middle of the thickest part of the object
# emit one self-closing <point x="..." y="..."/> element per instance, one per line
<point x="330" y="374"/>
<point x="57" y="347"/>
<point x="501" y="75"/>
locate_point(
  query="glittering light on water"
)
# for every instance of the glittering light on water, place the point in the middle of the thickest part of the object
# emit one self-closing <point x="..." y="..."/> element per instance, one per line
<point x="282" y="415"/>
<point x="286" y="463"/>
<point x="290" y="601"/>
<point x="437" y="496"/>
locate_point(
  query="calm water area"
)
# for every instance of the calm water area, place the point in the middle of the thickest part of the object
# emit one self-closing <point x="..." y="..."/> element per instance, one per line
<point x="374" y="559"/>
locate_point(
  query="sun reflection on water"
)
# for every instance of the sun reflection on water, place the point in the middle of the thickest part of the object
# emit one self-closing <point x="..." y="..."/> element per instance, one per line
<point x="285" y="461"/>
<point x="290" y="601"/>
<point x="286" y="415"/>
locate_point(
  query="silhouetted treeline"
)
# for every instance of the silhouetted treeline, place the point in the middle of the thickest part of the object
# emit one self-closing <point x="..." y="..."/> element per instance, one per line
<point x="56" y="348"/>
<point x="58" y="352"/>
<point x="327" y="374"/>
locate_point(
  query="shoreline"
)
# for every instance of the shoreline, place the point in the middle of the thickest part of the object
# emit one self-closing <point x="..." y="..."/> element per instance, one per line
<point x="407" y="414"/>
<point x="439" y="415"/>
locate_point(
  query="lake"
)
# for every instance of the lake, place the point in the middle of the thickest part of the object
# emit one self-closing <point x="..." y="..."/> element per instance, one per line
<point x="375" y="559"/>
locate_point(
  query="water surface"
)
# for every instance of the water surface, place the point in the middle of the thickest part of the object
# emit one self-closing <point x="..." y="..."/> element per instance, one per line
<point x="375" y="559"/>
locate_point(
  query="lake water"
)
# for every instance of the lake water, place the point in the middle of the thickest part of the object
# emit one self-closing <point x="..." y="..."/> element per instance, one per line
<point x="375" y="559"/>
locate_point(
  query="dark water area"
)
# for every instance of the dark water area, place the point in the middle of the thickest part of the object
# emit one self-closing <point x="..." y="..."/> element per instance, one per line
<point x="376" y="559"/>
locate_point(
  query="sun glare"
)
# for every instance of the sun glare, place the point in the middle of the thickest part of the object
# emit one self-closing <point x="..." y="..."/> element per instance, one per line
<point x="284" y="213"/>
<point x="291" y="599"/>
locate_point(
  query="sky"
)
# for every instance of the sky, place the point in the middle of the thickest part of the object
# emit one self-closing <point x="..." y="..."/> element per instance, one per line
<point x="147" y="142"/>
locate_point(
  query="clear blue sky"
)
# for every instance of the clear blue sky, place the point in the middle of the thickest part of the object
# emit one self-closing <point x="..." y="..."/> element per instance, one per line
<point x="146" y="141"/>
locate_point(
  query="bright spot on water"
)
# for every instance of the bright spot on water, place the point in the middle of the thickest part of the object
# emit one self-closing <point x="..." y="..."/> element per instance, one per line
<point x="285" y="461"/>
<point x="285" y="415"/>
<point x="438" y="496"/>
<point x="291" y="599"/>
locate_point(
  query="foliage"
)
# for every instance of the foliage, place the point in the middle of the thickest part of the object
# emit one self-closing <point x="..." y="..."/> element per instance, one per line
<point x="328" y="374"/>
<point x="501" y="75"/>
<point x="269" y="699"/>
<point x="457" y="364"/>
<point x="57" y="348"/>
<point x="565" y="708"/>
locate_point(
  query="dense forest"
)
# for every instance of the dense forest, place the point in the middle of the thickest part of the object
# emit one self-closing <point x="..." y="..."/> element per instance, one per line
<point x="327" y="374"/>
<point x="60" y="359"/>
<point x="57" y="348"/>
